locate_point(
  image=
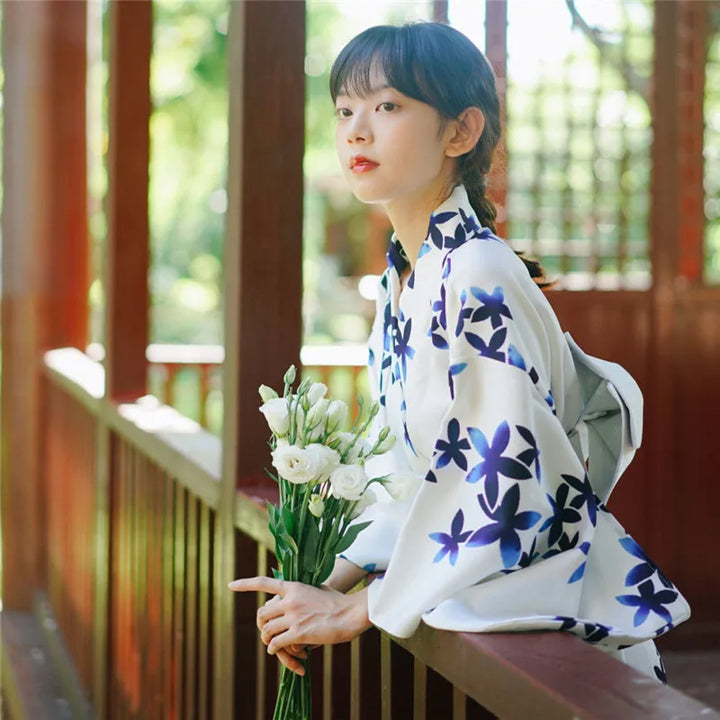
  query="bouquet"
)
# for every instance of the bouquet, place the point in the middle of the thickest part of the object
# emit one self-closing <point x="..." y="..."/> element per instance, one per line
<point x="320" y="472"/>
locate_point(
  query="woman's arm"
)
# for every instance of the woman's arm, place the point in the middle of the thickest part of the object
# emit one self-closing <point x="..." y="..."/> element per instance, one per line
<point x="345" y="576"/>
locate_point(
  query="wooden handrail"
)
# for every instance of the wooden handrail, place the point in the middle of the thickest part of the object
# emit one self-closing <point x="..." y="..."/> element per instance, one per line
<point x="176" y="443"/>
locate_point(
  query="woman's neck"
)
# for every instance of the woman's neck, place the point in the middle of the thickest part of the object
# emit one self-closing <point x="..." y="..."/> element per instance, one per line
<point x="410" y="218"/>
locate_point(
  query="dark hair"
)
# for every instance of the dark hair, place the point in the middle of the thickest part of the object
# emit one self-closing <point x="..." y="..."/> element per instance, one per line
<point x="439" y="66"/>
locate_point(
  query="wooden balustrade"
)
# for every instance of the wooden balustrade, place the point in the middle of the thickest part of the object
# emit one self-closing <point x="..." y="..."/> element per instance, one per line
<point x="341" y="367"/>
<point x="164" y="478"/>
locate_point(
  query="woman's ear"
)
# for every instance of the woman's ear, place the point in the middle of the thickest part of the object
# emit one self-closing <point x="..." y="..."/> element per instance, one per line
<point x="468" y="128"/>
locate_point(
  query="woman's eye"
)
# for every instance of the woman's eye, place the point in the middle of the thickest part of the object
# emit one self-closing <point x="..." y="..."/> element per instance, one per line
<point x="387" y="106"/>
<point x="343" y="112"/>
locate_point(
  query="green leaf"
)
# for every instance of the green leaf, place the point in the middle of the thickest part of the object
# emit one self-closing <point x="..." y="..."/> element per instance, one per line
<point x="288" y="520"/>
<point x="290" y="543"/>
<point x="277" y="574"/>
<point x="310" y="544"/>
<point x="349" y="537"/>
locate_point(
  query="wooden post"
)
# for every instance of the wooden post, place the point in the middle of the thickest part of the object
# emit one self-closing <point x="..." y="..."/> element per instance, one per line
<point x="126" y="327"/>
<point x="45" y="247"/>
<point x="126" y="283"/>
<point x="496" y="26"/>
<point x="664" y="232"/>
<point x="263" y="265"/>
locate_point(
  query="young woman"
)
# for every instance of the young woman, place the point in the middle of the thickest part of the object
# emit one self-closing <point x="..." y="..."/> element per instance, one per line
<point x="515" y="436"/>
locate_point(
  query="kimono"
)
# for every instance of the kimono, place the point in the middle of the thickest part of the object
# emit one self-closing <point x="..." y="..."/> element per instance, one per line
<point x="516" y="438"/>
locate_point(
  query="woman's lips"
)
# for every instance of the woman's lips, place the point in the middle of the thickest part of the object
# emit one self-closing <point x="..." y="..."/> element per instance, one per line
<point x="360" y="164"/>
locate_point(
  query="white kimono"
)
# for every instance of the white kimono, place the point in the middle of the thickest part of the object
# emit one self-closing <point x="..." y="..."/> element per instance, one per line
<point x="498" y="411"/>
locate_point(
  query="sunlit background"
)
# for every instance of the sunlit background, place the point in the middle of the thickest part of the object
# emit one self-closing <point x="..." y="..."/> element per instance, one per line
<point x="578" y="140"/>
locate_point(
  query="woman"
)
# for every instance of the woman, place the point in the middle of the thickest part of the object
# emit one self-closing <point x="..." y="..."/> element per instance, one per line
<point x="515" y="436"/>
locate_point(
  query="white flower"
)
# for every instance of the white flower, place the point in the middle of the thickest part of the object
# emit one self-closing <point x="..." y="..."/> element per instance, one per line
<point x="337" y="414"/>
<point x="316" y="392"/>
<point x="282" y="442"/>
<point x="317" y="414"/>
<point x="266" y="393"/>
<point x="366" y="499"/>
<point x="316" y="505"/>
<point x="402" y="485"/>
<point x="277" y="416"/>
<point x="325" y="459"/>
<point x="359" y="448"/>
<point x="296" y="464"/>
<point x="348" y="482"/>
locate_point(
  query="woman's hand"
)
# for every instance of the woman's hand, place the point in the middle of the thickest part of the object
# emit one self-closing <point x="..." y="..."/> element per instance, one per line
<point x="304" y="615"/>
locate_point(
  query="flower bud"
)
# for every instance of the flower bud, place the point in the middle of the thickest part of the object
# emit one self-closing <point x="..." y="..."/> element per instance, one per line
<point x="384" y="443"/>
<point x="266" y="393"/>
<point x="316" y="392"/>
<point x="289" y="377"/>
<point x="337" y="415"/>
<point x="316" y="505"/>
<point x="277" y="416"/>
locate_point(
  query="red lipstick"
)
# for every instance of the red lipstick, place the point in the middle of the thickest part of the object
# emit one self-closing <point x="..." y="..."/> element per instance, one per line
<point x="361" y="164"/>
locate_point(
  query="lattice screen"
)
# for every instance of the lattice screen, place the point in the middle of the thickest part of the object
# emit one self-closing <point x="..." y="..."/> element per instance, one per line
<point x="579" y="136"/>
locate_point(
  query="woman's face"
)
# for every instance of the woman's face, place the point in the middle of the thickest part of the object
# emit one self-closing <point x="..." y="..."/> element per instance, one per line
<point x="392" y="147"/>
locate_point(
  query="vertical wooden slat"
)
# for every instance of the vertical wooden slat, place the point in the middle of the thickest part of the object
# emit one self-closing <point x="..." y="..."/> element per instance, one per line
<point x="180" y="596"/>
<point x="260" y="652"/>
<point x="204" y="592"/>
<point x="385" y="678"/>
<point x="419" y="690"/>
<point x="263" y="265"/>
<point x="126" y="287"/>
<point x="168" y="558"/>
<point x="191" y="607"/>
<point x="327" y="682"/>
<point x="104" y="545"/>
<point x="355" y="680"/>
<point x="459" y="703"/>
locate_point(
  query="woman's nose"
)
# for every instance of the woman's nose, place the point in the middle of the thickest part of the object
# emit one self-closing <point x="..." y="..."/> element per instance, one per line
<point x="358" y="132"/>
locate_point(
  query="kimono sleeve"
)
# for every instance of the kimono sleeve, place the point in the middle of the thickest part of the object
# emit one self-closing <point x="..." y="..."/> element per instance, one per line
<point x="505" y="488"/>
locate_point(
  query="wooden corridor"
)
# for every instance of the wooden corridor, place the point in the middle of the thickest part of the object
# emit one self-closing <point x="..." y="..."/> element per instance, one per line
<point x="122" y="520"/>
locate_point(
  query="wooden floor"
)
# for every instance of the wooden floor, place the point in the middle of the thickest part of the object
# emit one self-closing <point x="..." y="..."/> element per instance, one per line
<point x="695" y="673"/>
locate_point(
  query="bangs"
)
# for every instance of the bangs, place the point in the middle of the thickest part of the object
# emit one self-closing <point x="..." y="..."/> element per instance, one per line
<point x="386" y="55"/>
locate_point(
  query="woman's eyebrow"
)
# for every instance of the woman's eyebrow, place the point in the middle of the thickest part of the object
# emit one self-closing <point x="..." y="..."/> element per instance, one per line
<point x="370" y="91"/>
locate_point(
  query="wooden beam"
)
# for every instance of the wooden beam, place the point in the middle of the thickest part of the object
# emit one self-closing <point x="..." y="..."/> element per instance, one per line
<point x="263" y="263"/>
<point x="44" y="242"/>
<point x="126" y="275"/>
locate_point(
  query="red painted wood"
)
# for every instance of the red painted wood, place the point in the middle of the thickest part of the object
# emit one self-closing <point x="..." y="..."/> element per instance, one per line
<point x="127" y="296"/>
<point x="496" y="51"/>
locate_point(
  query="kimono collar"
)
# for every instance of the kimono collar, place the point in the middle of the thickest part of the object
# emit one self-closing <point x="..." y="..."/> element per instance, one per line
<point x="451" y="224"/>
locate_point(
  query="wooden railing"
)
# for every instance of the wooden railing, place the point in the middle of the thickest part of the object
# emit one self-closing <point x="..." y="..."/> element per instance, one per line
<point x="189" y="377"/>
<point x="133" y="494"/>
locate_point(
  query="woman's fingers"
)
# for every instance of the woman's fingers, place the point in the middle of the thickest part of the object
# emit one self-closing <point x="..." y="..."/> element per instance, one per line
<point x="290" y="662"/>
<point x="271" y="609"/>
<point x="259" y="584"/>
<point x="273" y="627"/>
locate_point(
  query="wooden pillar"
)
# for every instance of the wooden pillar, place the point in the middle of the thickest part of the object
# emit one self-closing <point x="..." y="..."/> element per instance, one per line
<point x="496" y="25"/>
<point x="126" y="273"/>
<point x="263" y="266"/>
<point x="45" y="248"/>
<point x="126" y="283"/>
<point x="440" y="11"/>
<point x="693" y="29"/>
<point x="664" y="232"/>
